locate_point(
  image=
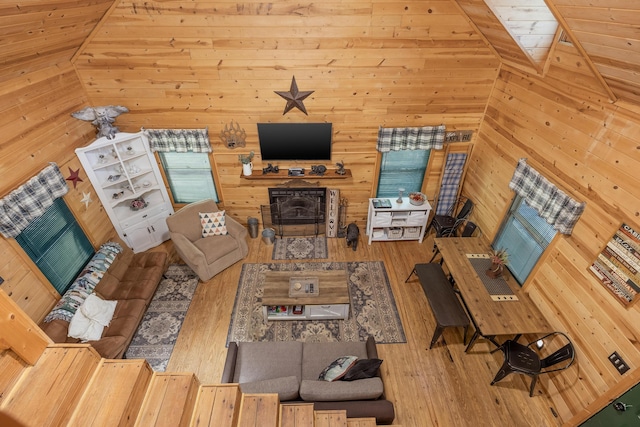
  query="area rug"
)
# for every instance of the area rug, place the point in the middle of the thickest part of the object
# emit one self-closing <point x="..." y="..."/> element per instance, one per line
<point x="157" y="333"/>
<point x="373" y="307"/>
<point x="300" y="248"/>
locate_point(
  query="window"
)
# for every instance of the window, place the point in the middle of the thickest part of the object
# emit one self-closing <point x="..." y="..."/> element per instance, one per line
<point x="189" y="176"/>
<point x="402" y="169"/>
<point x="525" y="236"/>
<point x="57" y="245"/>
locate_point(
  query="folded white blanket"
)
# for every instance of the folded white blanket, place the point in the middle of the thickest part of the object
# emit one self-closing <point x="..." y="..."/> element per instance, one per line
<point x="90" y="319"/>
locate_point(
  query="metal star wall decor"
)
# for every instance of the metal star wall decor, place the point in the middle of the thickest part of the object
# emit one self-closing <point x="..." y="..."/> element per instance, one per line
<point x="294" y="97"/>
<point x="74" y="177"/>
<point x="86" y="199"/>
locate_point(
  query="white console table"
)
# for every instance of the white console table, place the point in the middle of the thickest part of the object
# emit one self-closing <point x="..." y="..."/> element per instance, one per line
<point x="402" y="221"/>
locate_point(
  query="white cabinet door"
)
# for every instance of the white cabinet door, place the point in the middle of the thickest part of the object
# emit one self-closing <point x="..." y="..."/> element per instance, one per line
<point x="147" y="233"/>
<point x="138" y="236"/>
<point x="159" y="228"/>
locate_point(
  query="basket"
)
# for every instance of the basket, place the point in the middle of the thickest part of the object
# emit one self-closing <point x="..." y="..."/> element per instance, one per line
<point x="394" y="232"/>
<point x="412" y="232"/>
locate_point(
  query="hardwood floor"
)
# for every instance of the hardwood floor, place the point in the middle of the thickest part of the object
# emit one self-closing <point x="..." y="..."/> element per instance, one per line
<point x="442" y="386"/>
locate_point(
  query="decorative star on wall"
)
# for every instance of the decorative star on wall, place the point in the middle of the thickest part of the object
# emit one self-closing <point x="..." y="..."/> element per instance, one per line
<point x="294" y="97"/>
<point x="74" y="177"/>
<point x="86" y="199"/>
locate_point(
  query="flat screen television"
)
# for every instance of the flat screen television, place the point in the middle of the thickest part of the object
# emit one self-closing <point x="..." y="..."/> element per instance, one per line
<point x="295" y="141"/>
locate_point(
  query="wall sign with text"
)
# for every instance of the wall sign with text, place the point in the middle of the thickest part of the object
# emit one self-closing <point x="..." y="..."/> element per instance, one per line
<point x="618" y="265"/>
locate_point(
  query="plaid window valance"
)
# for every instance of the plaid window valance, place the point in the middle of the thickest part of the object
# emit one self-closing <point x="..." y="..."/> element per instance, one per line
<point x="180" y="140"/>
<point x="551" y="203"/>
<point x="29" y="201"/>
<point x="415" y="138"/>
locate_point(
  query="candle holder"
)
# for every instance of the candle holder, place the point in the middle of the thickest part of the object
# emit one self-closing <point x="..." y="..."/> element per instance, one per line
<point x="400" y="193"/>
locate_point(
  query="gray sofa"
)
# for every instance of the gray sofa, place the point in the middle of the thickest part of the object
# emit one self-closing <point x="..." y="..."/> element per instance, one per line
<point x="291" y="370"/>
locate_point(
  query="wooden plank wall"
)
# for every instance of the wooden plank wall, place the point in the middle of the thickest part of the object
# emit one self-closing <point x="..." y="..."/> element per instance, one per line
<point x="568" y="131"/>
<point x="179" y="64"/>
<point x="39" y="89"/>
<point x="38" y="129"/>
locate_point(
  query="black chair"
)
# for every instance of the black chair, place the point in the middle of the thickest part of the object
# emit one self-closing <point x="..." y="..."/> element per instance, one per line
<point x="468" y="231"/>
<point x="448" y="225"/>
<point x="526" y="359"/>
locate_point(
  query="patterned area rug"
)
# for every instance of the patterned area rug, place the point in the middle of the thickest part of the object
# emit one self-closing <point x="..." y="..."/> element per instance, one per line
<point x="373" y="307"/>
<point x="158" y="331"/>
<point x="300" y="248"/>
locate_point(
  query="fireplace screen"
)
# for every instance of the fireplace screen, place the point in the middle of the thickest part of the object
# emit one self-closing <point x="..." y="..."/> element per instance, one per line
<point x="295" y="210"/>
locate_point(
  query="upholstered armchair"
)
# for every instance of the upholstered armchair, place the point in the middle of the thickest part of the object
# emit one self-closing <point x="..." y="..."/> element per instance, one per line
<point x="207" y="256"/>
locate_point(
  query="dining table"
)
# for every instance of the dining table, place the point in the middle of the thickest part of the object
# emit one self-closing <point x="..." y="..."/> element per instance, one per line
<point x="498" y="307"/>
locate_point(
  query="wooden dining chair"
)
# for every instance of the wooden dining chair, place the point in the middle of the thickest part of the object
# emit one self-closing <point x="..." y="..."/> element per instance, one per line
<point x="526" y="359"/>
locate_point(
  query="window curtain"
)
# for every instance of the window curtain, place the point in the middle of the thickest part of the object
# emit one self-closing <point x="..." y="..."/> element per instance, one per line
<point x="29" y="201"/>
<point x="179" y="140"/>
<point x="453" y="169"/>
<point x="551" y="203"/>
<point x="414" y="138"/>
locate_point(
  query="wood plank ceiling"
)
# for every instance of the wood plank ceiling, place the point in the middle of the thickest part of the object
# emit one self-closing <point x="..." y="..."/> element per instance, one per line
<point x="43" y="33"/>
<point x="607" y="34"/>
<point x="38" y="34"/>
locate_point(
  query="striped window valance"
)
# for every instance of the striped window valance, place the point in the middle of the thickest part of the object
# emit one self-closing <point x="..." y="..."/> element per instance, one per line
<point x="551" y="203"/>
<point x="31" y="200"/>
<point x="179" y="140"/>
<point x="414" y="138"/>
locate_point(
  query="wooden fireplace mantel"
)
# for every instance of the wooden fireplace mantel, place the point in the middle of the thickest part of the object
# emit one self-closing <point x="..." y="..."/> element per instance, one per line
<point x="284" y="174"/>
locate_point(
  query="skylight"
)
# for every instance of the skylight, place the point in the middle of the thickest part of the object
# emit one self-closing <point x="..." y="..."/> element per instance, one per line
<point x="530" y="23"/>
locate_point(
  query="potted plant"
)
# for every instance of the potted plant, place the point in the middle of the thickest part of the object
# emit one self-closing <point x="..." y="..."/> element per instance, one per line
<point x="247" y="166"/>
<point x="499" y="259"/>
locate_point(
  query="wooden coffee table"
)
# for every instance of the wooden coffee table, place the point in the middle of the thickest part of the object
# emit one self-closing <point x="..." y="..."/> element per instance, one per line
<point x="332" y="300"/>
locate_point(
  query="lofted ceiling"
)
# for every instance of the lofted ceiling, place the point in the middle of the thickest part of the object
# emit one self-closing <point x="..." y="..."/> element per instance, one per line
<point x="38" y="34"/>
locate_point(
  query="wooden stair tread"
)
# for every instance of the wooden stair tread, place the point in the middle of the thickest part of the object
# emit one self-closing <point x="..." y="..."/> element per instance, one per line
<point x="216" y="405"/>
<point x="47" y="392"/>
<point x="259" y="409"/>
<point x="361" y="422"/>
<point x="169" y="401"/>
<point x="71" y="385"/>
<point x="330" y="418"/>
<point x="12" y="368"/>
<point x="296" y="415"/>
<point x="114" y="394"/>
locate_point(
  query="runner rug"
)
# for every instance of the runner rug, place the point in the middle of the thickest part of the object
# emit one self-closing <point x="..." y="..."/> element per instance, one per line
<point x="300" y="248"/>
<point x="373" y="307"/>
<point x="157" y="333"/>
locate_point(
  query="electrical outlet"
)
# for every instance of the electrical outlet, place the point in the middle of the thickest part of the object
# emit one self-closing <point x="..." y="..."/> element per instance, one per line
<point x="618" y="363"/>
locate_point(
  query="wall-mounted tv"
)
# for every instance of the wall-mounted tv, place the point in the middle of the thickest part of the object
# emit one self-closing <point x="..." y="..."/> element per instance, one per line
<point x="295" y="141"/>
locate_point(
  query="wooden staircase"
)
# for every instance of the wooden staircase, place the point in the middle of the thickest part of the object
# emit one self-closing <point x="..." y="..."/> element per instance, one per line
<point x="71" y="385"/>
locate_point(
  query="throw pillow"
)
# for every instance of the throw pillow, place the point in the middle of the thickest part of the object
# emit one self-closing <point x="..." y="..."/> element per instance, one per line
<point x="92" y="316"/>
<point x="213" y="223"/>
<point x="337" y="368"/>
<point x="363" y="368"/>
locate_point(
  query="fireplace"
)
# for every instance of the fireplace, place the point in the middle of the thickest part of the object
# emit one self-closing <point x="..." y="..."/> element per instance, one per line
<point x="297" y="206"/>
